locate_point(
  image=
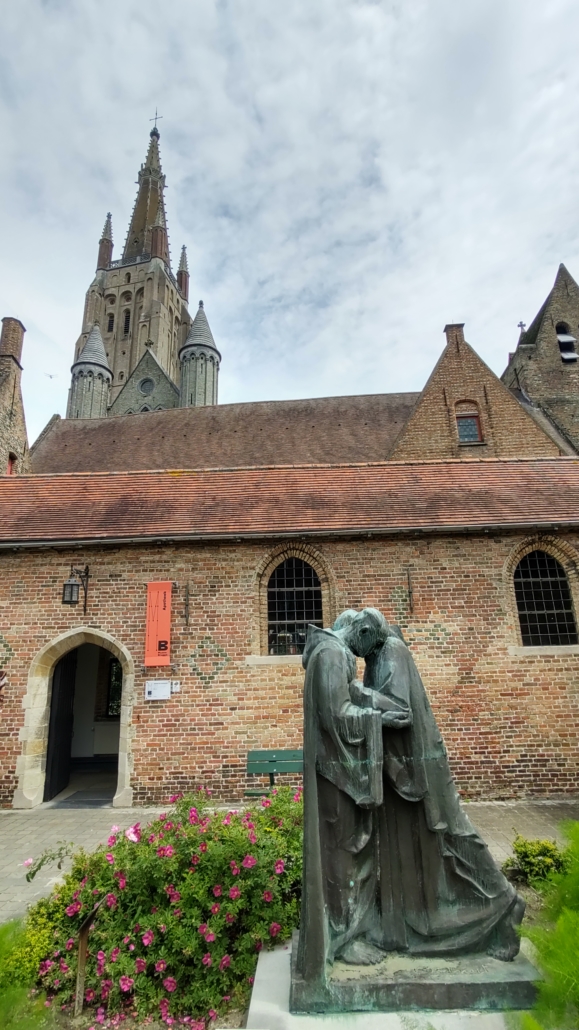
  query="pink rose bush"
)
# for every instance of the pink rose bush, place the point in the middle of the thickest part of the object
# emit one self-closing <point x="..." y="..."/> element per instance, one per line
<point x="181" y="909"/>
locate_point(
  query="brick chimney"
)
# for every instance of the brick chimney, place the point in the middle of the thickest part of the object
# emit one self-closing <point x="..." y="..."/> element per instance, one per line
<point x="12" y="338"/>
<point x="454" y="333"/>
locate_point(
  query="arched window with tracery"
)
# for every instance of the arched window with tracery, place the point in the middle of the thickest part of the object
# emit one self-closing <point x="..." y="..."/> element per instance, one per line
<point x="544" y="601"/>
<point x="294" y="601"/>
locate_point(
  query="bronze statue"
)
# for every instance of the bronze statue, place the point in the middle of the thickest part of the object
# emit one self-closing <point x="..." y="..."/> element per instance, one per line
<point x="391" y="861"/>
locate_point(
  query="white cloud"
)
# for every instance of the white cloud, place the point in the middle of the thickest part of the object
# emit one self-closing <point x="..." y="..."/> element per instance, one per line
<point x="348" y="176"/>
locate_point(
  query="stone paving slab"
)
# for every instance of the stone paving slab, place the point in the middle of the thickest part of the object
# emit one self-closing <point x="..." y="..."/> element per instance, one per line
<point x="25" y="834"/>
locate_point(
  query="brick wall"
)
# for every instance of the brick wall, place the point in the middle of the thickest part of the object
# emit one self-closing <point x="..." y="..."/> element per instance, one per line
<point x="13" y="437"/>
<point x="511" y="722"/>
<point x="460" y="381"/>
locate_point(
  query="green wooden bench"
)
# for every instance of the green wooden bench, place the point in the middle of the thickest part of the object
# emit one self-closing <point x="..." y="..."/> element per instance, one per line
<point x="272" y="762"/>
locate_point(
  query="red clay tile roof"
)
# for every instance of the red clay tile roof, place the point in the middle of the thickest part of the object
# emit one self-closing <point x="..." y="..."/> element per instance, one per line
<point x="380" y="498"/>
<point x="325" y="430"/>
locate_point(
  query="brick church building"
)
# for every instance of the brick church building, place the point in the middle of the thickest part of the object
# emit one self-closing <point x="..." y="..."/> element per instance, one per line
<point x="161" y="555"/>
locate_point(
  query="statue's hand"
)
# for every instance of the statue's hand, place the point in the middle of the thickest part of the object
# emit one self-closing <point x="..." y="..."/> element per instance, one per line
<point x="396" y="720"/>
<point x="360" y="695"/>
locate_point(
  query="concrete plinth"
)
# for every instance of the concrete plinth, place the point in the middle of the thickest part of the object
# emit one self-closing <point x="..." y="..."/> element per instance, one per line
<point x="269" y="1009"/>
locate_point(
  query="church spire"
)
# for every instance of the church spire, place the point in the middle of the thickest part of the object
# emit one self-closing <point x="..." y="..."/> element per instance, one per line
<point x="183" y="274"/>
<point x="106" y="244"/>
<point x="149" y="209"/>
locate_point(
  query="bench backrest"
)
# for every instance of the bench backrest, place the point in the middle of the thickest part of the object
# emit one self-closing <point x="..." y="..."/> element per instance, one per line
<point x="274" y="761"/>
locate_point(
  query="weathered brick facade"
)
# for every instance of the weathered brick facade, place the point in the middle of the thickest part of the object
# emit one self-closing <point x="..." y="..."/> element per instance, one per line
<point x="13" y="438"/>
<point x="461" y="380"/>
<point x="510" y="716"/>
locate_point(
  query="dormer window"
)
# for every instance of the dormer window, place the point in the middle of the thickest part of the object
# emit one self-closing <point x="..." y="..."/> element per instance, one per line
<point x="468" y="423"/>
<point x="566" y="342"/>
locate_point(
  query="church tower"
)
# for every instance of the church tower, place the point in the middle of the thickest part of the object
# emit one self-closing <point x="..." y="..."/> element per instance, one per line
<point x="140" y="307"/>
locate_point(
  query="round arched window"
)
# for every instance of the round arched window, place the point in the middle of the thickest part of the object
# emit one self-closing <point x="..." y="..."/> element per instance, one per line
<point x="146" y="386"/>
<point x="544" y="601"/>
<point x="294" y="601"/>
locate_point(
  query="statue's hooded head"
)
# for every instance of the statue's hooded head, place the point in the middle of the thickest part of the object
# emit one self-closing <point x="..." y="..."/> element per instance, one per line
<point x="344" y="619"/>
<point x="367" y="631"/>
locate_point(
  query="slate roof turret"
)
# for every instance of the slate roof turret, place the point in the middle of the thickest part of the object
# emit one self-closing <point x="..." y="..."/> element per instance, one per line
<point x="93" y="352"/>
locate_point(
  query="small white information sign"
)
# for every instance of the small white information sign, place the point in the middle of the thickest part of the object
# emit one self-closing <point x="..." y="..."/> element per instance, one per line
<point x="157" y="690"/>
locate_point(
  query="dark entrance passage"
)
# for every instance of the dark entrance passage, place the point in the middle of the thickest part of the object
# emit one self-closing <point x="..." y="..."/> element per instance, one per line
<point x="83" y="736"/>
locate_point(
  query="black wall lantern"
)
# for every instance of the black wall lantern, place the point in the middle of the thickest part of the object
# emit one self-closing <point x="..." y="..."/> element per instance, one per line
<point x="71" y="588"/>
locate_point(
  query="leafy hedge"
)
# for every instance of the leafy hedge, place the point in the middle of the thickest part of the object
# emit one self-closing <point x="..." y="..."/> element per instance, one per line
<point x="185" y="905"/>
<point x="557" y="944"/>
<point x="534" y="859"/>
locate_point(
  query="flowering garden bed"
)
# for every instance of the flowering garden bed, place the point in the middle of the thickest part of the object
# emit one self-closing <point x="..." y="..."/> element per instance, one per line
<point x="186" y="904"/>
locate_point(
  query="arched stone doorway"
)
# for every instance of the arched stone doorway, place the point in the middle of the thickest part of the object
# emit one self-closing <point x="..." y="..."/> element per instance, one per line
<point x="32" y="763"/>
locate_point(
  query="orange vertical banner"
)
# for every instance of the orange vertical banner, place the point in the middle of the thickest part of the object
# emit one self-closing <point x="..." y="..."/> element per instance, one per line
<point x="158" y="631"/>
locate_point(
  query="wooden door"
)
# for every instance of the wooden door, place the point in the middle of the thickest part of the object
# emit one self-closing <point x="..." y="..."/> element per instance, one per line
<point x="60" y="726"/>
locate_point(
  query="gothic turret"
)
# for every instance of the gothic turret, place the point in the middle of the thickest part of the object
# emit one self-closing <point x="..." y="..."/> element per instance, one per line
<point x="159" y="241"/>
<point x="106" y="245"/>
<point x="199" y="360"/>
<point x="91" y="379"/>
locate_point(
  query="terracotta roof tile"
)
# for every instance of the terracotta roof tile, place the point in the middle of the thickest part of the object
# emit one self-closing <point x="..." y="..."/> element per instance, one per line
<point x="374" y="498"/>
<point x="330" y="430"/>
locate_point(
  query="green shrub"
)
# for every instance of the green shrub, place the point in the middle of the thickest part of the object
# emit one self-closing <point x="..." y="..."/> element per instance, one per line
<point x="534" y="860"/>
<point x="185" y="906"/>
<point x="18" y="1008"/>
<point x="557" y="943"/>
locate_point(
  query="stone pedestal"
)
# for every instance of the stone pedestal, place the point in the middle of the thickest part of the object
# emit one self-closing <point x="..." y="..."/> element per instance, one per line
<point x="405" y="983"/>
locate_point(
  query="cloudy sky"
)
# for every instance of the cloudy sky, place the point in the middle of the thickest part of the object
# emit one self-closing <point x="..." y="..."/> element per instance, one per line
<point x="348" y="176"/>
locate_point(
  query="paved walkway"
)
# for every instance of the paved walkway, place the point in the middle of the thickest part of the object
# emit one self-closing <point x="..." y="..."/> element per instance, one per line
<point x="25" y="834"/>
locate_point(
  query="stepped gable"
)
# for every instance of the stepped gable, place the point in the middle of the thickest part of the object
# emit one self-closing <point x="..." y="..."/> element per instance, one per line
<point x="327" y="430"/>
<point x="384" y="499"/>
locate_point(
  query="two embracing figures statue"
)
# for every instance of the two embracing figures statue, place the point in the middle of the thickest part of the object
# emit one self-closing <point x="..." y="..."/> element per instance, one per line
<point x="391" y="860"/>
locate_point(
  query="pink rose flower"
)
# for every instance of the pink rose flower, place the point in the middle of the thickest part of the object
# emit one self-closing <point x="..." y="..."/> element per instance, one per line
<point x="297" y="797"/>
<point x="125" y="983"/>
<point x="225" y="962"/>
<point x="210" y="937"/>
<point x="161" y="965"/>
<point x="215" y="909"/>
<point x="234" y="893"/>
<point x="27" y="862"/>
<point x="207" y="960"/>
<point x="69" y="944"/>
<point x="111" y="901"/>
<point x="115" y="954"/>
<point x="110" y="858"/>
<point x="148" y="938"/>
<point x="202" y="928"/>
<point x="193" y="816"/>
<point x="72" y="909"/>
<point x="274" y="929"/>
<point x="134" y="833"/>
<point x="63" y="966"/>
<point x="174" y="798"/>
<point x="89" y="995"/>
<point x="265" y="802"/>
<point x="115" y="828"/>
<point x="227" y="820"/>
<point x="279" y="866"/>
<point x="229" y="918"/>
<point x="217" y="890"/>
<point x="122" y="881"/>
<point x="112" y="841"/>
<point x="249" y="861"/>
<point x="170" y="984"/>
<point x="252" y="837"/>
<point x="267" y="896"/>
<point x="212" y="1014"/>
<point x="106" y="989"/>
<point x="203" y="846"/>
<point x="140" y="965"/>
<point x="163" y="928"/>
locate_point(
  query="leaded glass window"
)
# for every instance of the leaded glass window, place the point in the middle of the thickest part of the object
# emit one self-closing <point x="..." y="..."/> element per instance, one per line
<point x="544" y="601"/>
<point x="294" y="601"/>
<point x="468" y="428"/>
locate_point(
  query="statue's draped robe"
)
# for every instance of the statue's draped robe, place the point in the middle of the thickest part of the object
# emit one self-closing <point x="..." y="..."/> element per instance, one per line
<point x="342" y="786"/>
<point x="440" y="889"/>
